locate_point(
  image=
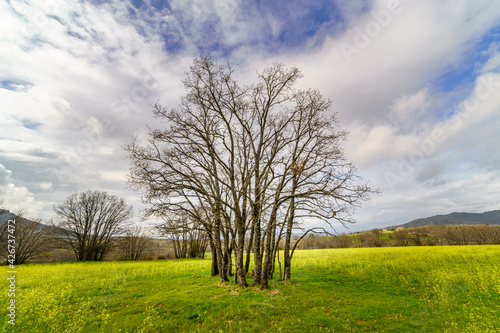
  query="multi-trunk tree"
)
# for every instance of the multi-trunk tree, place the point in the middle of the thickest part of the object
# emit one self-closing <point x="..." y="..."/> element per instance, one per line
<point x="134" y="243"/>
<point x="90" y="221"/>
<point x="250" y="163"/>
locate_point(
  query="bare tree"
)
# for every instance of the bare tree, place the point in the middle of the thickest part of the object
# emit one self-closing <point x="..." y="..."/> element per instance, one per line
<point x="90" y="220"/>
<point x="188" y="237"/>
<point x="30" y="238"/>
<point x="257" y="160"/>
<point x="485" y="234"/>
<point x="133" y="244"/>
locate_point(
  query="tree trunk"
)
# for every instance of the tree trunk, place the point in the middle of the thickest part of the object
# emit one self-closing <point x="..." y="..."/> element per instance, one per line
<point x="215" y="269"/>
<point x="268" y="252"/>
<point x="218" y="249"/>
<point x="266" y="269"/>
<point x="276" y="248"/>
<point x="249" y="251"/>
<point x="287" y="262"/>
<point x="257" y="255"/>
<point x="287" y="259"/>
<point x="228" y="257"/>
<point x="240" y="248"/>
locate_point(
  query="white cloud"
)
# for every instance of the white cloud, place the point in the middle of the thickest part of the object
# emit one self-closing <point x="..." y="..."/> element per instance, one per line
<point x="418" y="44"/>
<point x="397" y="120"/>
<point x="410" y="107"/>
<point x="17" y="198"/>
<point x="453" y="165"/>
<point x="85" y="74"/>
<point x="46" y="186"/>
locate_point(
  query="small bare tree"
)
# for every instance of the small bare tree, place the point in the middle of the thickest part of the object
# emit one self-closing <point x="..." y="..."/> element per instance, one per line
<point x="31" y="238"/>
<point x="133" y="244"/>
<point x="90" y="220"/>
<point x="189" y="238"/>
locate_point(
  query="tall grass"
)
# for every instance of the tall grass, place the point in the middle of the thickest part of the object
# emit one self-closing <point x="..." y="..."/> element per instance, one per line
<point x="409" y="289"/>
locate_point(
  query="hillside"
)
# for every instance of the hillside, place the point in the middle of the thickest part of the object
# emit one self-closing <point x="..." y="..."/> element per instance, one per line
<point x="6" y="215"/>
<point x="492" y="217"/>
<point x="348" y="290"/>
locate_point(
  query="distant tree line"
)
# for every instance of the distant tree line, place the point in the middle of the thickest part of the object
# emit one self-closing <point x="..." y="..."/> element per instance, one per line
<point x="430" y="235"/>
<point x="94" y="226"/>
<point x="89" y="224"/>
<point x="187" y="236"/>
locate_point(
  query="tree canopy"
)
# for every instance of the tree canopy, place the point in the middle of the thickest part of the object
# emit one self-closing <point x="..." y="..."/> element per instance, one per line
<point x="249" y="164"/>
<point x="90" y="221"/>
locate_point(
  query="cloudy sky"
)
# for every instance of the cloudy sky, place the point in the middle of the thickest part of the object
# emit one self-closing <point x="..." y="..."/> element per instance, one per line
<point x="417" y="84"/>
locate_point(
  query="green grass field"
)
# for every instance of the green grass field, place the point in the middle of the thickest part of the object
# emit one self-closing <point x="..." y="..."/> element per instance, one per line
<point x="410" y="289"/>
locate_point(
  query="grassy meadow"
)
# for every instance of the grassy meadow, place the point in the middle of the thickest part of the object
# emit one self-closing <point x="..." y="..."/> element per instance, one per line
<point x="405" y="289"/>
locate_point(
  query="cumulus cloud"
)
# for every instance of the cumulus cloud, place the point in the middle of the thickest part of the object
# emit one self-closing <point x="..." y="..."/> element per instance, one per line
<point x="410" y="107"/>
<point x="17" y="198"/>
<point x="408" y="136"/>
<point x="451" y="165"/>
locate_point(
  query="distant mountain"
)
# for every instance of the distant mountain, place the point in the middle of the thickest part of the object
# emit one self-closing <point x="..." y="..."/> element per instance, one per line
<point x="492" y="217"/>
<point x="6" y="215"/>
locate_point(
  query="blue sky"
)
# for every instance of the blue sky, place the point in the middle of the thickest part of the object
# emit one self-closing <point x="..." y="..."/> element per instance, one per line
<point x="415" y="82"/>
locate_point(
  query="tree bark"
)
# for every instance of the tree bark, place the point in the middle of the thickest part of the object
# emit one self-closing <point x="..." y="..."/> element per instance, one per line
<point x="240" y="273"/>
<point x="257" y="255"/>
<point x="215" y="269"/>
<point x="288" y="236"/>
<point x="249" y="251"/>
<point x="268" y="252"/>
<point x="218" y="248"/>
